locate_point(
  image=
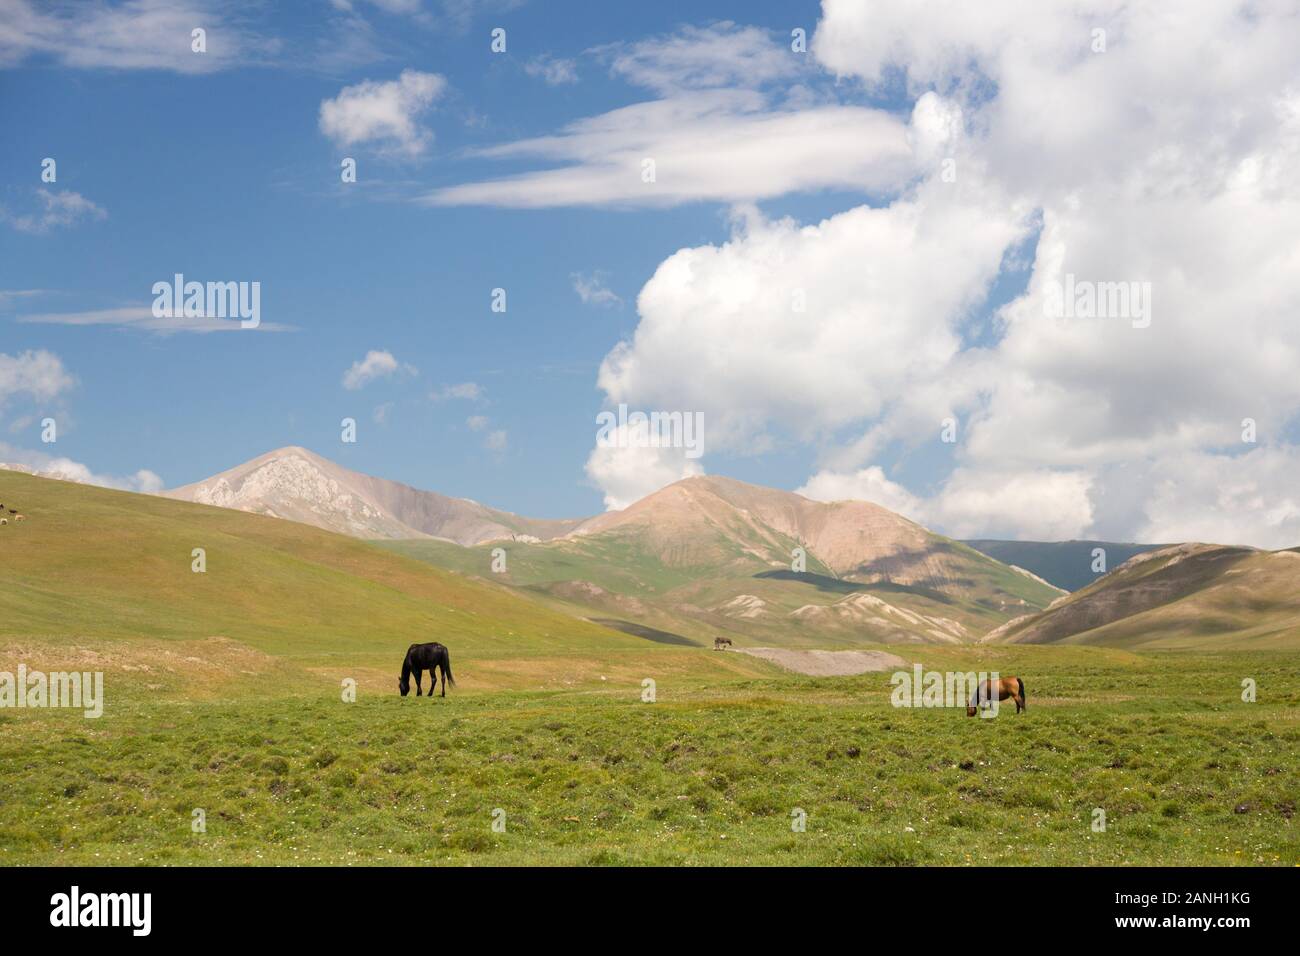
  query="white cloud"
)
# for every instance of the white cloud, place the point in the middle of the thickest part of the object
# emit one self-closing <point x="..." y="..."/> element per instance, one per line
<point x="383" y="113"/>
<point x="627" y="467"/>
<point x="720" y="55"/>
<point x="37" y="374"/>
<point x="466" y="391"/>
<point x="477" y="423"/>
<point x="592" y="290"/>
<point x="1018" y="504"/>
<point x="65" y="469"/>
<point x="715" y="133"/>
<point x="1247" y="499"/>
<point x="58" y="209"/>
<point x="1065" y="427"/>
<point x="141" y="317"/>
<point x="717" y="145"/>
<point x="495" y="440"/>
<point x="131" y="35"/>
<point x="554" y="71"/>
<point x="810" y="328"/>
<point x="376" y="364"/>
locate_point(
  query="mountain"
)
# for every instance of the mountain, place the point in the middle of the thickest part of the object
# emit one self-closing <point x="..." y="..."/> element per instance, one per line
<point x="703" y="556"/>
<point x="297" y="484"/>
<point x="709" y="555"/>
<point x="1065" y="564"/>
<point x="1186" y="595"/>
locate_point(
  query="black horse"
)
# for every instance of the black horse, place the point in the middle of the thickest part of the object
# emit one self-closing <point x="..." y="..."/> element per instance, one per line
<point x="421" y="658"/>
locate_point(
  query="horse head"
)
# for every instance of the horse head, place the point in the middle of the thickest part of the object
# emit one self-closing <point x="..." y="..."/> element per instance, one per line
<point x="404" y="685"/>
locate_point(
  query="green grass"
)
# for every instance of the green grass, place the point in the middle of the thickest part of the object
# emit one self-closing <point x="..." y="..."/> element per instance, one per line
<point x="708" y="774"/>
<point x="691" y="599"/>
<point x="223" y="694"/>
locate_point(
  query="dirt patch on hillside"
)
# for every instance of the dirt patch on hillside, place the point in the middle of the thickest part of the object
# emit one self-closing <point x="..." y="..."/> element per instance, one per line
<point x="827" y="663"/>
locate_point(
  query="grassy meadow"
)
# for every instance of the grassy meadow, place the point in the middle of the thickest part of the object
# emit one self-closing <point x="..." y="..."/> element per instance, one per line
<point x="709" y="773"/>
<point x="225" y="694"/>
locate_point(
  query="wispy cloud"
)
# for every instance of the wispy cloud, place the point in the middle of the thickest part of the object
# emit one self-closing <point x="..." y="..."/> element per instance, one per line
<point x="132" y="35"/>
<point x="141" y="317"/>
<point x="724" y="128"/>
<point x="592" y="290"/>
<point x="58" y="209"/>
<point x="469" y="391"/>
<point x="554" y="71"/>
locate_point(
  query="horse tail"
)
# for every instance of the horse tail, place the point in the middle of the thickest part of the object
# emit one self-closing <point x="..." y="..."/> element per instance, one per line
<point x="1022" y="693"/>
<point x="446" y="667"/>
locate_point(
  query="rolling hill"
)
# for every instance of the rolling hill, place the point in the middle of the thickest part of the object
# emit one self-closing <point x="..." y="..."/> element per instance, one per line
<point x="1181" y="596"/>
<point x="708" y="555"/>
<point x="300" y="485"/>
<point x="110" y="574"/>
<point x="1065" y="564"/>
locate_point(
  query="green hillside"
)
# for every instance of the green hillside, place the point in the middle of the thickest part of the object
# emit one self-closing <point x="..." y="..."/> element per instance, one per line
<point x="94" y="568"/>
<point x="729" y="591"/>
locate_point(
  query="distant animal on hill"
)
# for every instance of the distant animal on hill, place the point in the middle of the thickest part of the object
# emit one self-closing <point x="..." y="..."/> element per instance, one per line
<point x="720" y="642"/>
<point x="19" y="517"/>
<point x="4" y="520"/>
<point x="1005" y="687"/>
<point x="421" y="658"/>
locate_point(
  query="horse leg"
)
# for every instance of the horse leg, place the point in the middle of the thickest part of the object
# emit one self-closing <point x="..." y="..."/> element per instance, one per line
<point x="443" y="668"/>
<point x="419" y="691"/>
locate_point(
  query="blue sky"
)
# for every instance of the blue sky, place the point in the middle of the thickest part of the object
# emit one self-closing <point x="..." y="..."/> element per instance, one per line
<point x="226" y="175"/>
<point x="922" y="175"/>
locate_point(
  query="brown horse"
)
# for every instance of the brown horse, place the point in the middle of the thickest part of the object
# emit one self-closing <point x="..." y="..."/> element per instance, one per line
<point x="1005" y="687"/>
<point x="720" y="642"/>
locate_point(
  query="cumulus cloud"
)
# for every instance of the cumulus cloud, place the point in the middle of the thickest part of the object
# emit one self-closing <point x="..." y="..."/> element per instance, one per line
<point x="1249" y="499"/>
<point x="384" y="113"/>
<point x="65" y="469"/>
<point x="810" y="328"/>
<point x="37" y="374"/>
<point x="1066" y="426"/>
<point x="376" y="365"/>
<point x="59" y="209"/>
<point x="627" y="467"/>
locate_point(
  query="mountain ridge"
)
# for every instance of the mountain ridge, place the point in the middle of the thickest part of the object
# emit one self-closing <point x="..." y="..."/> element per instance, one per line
<point x="296" y="483"/>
